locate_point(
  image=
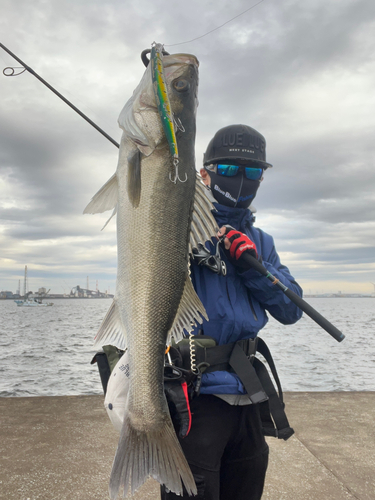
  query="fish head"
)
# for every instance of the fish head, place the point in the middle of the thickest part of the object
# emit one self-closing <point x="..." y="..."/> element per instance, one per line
<point x="140" y="119"/>
<point x="181" y="75"/>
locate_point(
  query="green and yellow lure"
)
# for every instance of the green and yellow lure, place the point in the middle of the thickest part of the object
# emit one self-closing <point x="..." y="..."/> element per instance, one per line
<point x="164" y="106"/>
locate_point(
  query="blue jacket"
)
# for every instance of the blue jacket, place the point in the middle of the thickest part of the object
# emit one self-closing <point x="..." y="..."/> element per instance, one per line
<point x="237" y="304"/>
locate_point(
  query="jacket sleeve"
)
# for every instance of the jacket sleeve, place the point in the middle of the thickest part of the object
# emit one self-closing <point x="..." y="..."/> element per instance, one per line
<point x="268" y="295"/>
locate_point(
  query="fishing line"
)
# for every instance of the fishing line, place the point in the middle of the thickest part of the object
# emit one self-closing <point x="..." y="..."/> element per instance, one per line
<point x="215" y="29"/>
<point x="15" y="71"/>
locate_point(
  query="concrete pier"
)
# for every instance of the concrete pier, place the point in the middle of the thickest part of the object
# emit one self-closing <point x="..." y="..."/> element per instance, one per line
<point x="62" y="448"/>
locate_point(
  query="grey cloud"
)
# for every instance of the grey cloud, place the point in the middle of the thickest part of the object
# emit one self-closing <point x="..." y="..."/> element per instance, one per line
<point x="251" y="71"/>
<point x="291" y="44"/>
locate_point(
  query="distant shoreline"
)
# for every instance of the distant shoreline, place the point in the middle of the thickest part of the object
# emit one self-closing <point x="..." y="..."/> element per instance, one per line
<point x="339" y="296"/>
<point x="307" y="296"/>
<point x="60" y="297"/>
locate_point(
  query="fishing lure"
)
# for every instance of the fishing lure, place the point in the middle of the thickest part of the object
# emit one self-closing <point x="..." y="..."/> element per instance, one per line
<point x="164" y="106"/>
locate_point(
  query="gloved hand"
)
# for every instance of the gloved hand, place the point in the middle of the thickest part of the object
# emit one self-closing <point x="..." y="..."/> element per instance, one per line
<point x="177" y="396"/>
<point x="236" y="245"/>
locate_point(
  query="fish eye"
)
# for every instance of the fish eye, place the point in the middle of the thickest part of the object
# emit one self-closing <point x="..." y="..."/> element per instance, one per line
<point x="181" y="85"/>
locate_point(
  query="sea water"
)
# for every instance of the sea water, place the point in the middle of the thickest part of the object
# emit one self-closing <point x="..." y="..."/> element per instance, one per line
<point x="46" y="351"/>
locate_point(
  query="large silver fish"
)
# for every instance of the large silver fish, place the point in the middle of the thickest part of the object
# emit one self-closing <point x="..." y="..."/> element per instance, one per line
<point x="158" y="223"/>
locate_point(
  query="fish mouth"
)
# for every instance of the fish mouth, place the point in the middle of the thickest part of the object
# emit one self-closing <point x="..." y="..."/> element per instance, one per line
<point x="180" y="58"/>
<point x="176" y="65"/>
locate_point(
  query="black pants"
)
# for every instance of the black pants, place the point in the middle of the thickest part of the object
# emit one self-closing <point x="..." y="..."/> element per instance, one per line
<point x="226" y="451"/>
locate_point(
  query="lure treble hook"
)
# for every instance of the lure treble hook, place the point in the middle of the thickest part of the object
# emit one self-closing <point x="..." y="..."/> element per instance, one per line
<point x="176" y="174"/>
<point x="178" y="124"/>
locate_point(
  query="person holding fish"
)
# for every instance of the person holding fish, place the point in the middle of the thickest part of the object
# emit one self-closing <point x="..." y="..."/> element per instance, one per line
<point x="230" y="413"/>
<point x="206" y="307"/>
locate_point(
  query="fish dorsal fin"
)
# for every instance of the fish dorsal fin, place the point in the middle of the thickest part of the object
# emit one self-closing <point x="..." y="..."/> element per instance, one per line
<point x="203" y="226"/>
<point x="111" y="331"/>
<point x="105" y="199"/>
<point x="189" y="313"/>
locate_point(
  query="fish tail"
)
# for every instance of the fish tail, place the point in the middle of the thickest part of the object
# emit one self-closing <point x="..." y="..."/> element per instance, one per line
<point x="155" y="454"/>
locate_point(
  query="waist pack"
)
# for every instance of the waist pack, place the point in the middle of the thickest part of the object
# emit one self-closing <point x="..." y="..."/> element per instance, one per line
<point x="240" y="358"/>
<point x="236" y="357"/>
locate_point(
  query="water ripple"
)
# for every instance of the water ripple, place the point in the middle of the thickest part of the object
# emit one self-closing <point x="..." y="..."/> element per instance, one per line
<point x="47" y="351"/>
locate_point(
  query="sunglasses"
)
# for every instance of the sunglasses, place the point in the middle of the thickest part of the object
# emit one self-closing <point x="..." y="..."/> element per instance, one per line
<point x="252" y="173"/>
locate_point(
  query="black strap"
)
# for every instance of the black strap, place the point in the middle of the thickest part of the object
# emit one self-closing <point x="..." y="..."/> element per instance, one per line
<point x="266" y="353"/>
<point x="103" y="366"/>
<point x="217" y="358"/>
<point x="278" y="425"/>
<point x="274" y="419"/>
<point x="245" y="370"/>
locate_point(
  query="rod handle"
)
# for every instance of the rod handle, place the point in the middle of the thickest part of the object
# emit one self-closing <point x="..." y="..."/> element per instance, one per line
<point x="296" y="299"/>
<point x="315" y="315"/>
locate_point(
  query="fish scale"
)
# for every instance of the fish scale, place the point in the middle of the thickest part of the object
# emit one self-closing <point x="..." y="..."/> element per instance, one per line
<point x="141" y="280"/>
<point x="155" y="299"/>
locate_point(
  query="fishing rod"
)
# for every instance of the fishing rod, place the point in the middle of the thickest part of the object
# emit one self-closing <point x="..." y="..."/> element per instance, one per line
<point x="309" y="310"/>
<point x="30" y="70"/>
<point x="296" y="299"/>
<point x="203" y="256"/>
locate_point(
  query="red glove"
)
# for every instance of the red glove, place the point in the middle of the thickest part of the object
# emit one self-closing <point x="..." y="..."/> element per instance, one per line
<point x="240" y="243"/>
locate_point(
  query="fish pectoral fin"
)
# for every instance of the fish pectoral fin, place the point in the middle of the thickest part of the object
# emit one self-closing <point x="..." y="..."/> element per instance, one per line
<point x="203" y="225"/>
<point x="189" y="313"/>
<point x="111" y="331"/>
<point x="105" y="199"/>
<point x="134" y="178"/>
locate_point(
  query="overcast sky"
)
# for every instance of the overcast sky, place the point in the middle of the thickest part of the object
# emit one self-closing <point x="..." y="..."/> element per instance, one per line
<point x="300" y="72"/>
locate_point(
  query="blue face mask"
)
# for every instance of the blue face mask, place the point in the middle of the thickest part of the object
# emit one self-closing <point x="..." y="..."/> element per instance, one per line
<point x="236" y="191"/>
